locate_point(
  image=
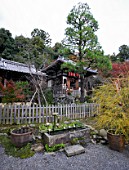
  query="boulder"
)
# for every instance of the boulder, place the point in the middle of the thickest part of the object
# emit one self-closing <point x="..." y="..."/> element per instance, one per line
<point x="103" y="133"/>
<point x="37" y="147"/>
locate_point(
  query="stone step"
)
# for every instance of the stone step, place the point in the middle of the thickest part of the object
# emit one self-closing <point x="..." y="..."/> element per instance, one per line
<point x="74" y="150"/>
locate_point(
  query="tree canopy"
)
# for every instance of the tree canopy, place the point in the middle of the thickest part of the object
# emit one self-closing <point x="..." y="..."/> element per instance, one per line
<point x="6" y="44"/>
<point x="81" y="38"/>
<point x="80" y="35"/>
<point x="42" y="34"/>
<point x="123" y="53"/>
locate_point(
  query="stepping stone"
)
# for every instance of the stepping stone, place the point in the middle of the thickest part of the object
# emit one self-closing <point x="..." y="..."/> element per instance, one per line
<point x="74" y="150"/>
<point x="37" y="147"/>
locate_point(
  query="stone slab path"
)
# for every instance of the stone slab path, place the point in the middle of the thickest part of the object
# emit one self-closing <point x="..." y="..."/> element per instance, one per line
<point x="74" y="150"/>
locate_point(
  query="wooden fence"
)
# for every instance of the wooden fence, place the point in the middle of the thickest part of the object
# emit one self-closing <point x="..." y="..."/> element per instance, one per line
<point x="23" y="114"/>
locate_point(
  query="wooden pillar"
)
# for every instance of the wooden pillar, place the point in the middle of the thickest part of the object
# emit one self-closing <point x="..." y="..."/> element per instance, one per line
<point x="5" y="82"/>
<point x="68" y="83"/>
<point x="77" y="84"/>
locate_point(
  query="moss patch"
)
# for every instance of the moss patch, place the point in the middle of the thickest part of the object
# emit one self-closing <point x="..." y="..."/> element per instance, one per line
<point x="10" y="149"/>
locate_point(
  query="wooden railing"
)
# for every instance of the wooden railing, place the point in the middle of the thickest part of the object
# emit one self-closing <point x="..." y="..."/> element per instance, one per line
<point x="23" y="114"/>
<point x="60" y="91"/>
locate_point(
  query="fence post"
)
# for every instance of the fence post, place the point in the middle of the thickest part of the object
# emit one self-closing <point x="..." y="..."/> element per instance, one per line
<point x="15" y="120"/>
<point x="1" y="112"/>
<point x="18" y="114"/>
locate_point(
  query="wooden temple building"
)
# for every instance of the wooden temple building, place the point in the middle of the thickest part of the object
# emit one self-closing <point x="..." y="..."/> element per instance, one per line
<point x="65" y="84"/>
<point x="11" y="70"/>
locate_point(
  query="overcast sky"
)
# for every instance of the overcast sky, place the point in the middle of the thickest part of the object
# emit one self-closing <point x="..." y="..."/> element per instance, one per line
<point x="22" y="16"/>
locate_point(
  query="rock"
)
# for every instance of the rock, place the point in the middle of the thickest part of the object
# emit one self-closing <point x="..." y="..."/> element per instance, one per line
<point x="74" y="150"/>
<point x="103" y="133"/>
<point x="89" y="127"/>
<point x="32" y="125"/>
<point x="104" y="142"/>
<point x="38" y="137"/>
<point x="94" y="136"/>
<point x="33" y="136"/>
<point x="37" y="147"/>
<point x="3" y="134"/>
<point x="93" y="141"/>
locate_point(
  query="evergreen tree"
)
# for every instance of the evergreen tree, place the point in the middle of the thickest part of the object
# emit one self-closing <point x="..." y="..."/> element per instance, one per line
<point x="81" y="38"/>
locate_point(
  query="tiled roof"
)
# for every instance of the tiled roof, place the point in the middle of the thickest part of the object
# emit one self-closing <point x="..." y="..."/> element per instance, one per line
<point x="18" y="67"/>
<point x="63" y="60"/>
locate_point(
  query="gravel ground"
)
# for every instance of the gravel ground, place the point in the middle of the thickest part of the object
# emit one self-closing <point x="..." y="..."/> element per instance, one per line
<point x="96" y="157"/>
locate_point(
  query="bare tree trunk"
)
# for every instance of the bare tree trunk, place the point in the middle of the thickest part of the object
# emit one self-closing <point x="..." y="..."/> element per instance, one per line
<point x="82" y="99"/>
<point x="43" y="94"/>
<point x="33" y="96"/>
<point x="39" y="101"/>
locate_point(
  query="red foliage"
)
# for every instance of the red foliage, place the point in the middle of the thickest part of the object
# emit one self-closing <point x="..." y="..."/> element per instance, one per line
<point x="11" y="93"/>
<point x="120" y="69"/>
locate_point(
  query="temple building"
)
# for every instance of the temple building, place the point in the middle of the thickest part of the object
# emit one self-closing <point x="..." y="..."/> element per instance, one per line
<point x="66" y="84"/>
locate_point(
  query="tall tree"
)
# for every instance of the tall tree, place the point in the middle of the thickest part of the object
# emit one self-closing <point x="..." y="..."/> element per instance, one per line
<point x="81" y="38"/>
<point x="22" y="44"/>
<point x="60" y="50"/>
<point x="123" y="53"/>
<point x="6" y="44"/>
<point x="30" y="50"/>
<point x="43" y="35"/>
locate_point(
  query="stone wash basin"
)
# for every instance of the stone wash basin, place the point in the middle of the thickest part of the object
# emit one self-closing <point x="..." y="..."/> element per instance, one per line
<point x="65" y="136"/>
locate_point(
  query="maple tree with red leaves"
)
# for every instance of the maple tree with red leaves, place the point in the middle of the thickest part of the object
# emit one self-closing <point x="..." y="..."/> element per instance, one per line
<point x="120" y="70"/>
<point x="11" y="92"/>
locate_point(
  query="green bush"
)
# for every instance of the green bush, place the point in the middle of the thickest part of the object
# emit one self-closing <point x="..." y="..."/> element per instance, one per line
<point x="54" y="148"/>
<point x="113" y="98"/>
<point x="49" y="95"/>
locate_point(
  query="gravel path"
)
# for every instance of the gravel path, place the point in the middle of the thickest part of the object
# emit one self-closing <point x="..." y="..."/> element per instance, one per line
<point x="96" y="157"/>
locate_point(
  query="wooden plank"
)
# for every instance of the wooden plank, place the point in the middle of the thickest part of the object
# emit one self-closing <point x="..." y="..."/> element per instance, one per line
<point x="22" y="114"/>
<point x="18" y="114"/>
<point x="47" y="113"/>
<point x="15" y="110"/>
<point x="26" y="114"/>
<point x="53" y="111"/>
<point x="11" y="114"/>
<point x="42" y="113"/>
<point x="7" y="116"/>
<point x="89" y="111"/>
<point x="39" y="115"/>
<point x="61" y="110"/>
<point x="71" y="111"/>
<point x="33" y="113"/>
<point x="4" y="115"/>
<point x="1" y="113"/>
<point x="36" y="114"/>
<point x="29" y="114"/>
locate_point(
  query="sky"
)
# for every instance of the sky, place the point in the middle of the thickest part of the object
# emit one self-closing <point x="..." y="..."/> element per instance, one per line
<point x="20" y="17"/>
